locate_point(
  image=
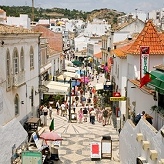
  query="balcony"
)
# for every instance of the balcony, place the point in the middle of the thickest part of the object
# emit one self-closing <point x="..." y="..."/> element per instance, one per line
<point x="18" y="79"/>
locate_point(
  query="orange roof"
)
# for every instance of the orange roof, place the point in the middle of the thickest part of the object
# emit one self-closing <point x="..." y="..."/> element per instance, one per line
<point x="122" y="51"/>
<point x="148" y="37"/>
<point x="98" y="55"/>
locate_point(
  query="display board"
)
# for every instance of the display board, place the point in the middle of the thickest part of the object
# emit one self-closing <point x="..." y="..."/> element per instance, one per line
<point x="95" y="150"/>
<point x="31" y="157"/>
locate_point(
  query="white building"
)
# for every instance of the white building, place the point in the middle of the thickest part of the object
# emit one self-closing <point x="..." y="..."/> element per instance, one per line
<point x="19" y="79"/>
<point x="22" y="21"/>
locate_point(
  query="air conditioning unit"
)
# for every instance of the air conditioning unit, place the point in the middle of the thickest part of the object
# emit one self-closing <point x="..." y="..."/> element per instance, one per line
<point x="141" y="160"/>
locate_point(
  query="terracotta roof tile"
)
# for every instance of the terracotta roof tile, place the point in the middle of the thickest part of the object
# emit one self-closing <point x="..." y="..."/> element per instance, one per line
<point x="148" y="37"/>
<point x="6" y="29"/>
<point x="122" y="51"/>
<point x="98" y="55"/>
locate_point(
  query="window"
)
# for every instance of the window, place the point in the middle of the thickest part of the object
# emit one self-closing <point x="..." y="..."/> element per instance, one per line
<point x="16" y="103"/>
<point x="22" y="60"/>
<point x="8" y="69"/>
<point x="31" y="58"/>
<point x="15" y="62"/>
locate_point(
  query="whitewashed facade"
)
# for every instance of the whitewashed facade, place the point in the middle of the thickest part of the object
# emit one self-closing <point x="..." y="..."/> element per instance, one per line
<point x="23" y="20"/>
<point x="19" y="79"/>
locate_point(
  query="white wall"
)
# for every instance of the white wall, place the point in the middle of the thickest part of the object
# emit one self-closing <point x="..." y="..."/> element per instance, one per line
<point x="31" y="77"/>
<point x="23" y="20"/>
<point x="130" y="148"/>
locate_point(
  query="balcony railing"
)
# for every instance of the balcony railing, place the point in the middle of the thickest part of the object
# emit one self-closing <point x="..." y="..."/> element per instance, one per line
<point x="18" y="79"/>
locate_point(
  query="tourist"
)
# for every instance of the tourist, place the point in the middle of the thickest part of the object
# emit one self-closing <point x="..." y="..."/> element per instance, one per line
<point x="92" y="116"/>
<point x="85" y="114"/>
<point x="105" y="116"/>
<point x="80" y="114"/>
<point x="63" y="109"/>
<point x="57" y="107"/>
<point x="50" y="111"/>
<point x="45" y="111"/>
<point x="149" y="118"/>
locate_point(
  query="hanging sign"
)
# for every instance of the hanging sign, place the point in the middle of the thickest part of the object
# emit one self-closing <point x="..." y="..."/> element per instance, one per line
<point x="144" y="60"/>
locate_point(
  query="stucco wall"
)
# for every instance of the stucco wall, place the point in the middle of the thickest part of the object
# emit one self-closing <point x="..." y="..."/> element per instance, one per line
<point x="130" y="148"/>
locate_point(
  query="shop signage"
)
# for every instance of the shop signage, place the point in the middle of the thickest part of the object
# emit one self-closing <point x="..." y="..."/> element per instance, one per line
<point x="117" y="98"/>
<point x="144" y="60"/>
<point x="116" y="94"/>
<point x="108" y="87"/>
<point x="96" y="150"/>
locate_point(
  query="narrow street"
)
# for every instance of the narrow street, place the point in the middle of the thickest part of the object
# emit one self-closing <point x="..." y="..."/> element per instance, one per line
<point x="77" y="138"/>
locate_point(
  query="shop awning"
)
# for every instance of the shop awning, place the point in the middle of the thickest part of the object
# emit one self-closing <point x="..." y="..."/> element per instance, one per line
<point x="57" y="88"/>
<point x="13" y="136"/>
<point x="99" y="86"/>
<point x="45" y="68"/>
<point x="72" y="69"/>
<point x="158" y="82"/>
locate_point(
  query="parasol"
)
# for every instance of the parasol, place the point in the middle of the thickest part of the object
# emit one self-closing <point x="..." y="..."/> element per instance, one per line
<point x="51" y="136"/>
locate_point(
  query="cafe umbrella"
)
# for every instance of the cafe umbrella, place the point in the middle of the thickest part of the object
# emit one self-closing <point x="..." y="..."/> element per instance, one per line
<point x="51" y="136"/>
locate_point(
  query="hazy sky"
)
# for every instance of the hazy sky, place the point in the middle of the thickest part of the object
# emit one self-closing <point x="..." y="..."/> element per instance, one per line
<point x="89" y="5"/>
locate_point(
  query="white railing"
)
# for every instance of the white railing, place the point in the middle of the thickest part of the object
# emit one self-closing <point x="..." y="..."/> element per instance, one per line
<point x="18" y="79"/>
<point x="160" y="121"/>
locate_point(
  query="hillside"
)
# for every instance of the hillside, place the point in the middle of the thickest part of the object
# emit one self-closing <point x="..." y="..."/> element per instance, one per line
<point x="39" y="13"/>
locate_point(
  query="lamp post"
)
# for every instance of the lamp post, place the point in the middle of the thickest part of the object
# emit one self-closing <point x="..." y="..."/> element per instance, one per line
<point x="76" y="77"/>
<point x="69" y="110"/>
<point x="84" y="83"/>
<point x="64" y="76"/>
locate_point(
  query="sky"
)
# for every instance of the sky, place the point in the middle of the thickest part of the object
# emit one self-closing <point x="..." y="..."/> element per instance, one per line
<point x="126" y="6"/>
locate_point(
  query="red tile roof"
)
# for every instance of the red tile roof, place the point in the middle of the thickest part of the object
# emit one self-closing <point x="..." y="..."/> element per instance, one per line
<point x="148" y="37"/>
<point x="98" y="55"/>
<point x="122" y="51"/>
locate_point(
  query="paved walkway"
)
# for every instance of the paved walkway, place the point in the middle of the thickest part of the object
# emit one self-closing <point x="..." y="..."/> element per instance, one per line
<point x="77" y="138"/>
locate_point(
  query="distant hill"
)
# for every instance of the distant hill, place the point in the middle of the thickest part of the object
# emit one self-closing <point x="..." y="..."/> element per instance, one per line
<point x="108" y="14"/>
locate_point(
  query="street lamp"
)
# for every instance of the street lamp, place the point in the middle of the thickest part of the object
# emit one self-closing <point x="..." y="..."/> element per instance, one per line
<point x="64" y="77"/>
<point x="70" y="90"/>
<point x="76" y="77"/>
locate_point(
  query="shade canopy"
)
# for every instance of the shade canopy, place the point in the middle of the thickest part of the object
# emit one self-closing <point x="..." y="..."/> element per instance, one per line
<point x="57" y="88"/>
<point x="77" y="62"/>
<point x="158" y="81"/>
<point x="51" y="136"/>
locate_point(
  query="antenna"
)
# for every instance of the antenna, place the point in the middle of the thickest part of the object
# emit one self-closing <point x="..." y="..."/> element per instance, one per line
<point x="32" y="16"/>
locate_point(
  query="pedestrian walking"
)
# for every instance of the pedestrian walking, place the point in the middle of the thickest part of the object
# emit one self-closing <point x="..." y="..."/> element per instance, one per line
<point x="74" y="106"/>
<point x="149" y="118"/>
<point x="92" y="116"/>
<point x="80" y="114"/>
<point x="57" y="107"/>
<point x="45" y="111"/>
<point x="63" y="109"/>
<point x="105" y="116"/>
<point x="109" y="118"/>
<point x="97" y="77"/>
<point x="85" y="114"/>
<point x="50" y="111"/>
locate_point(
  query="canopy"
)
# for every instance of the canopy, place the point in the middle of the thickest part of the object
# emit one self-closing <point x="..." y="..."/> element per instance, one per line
<point x="80" y="72"/>
<point x="51" y="136"/>
<point x="57" y="88"/>
<point x="72" y="69"/>
<point x="77" y="62"/>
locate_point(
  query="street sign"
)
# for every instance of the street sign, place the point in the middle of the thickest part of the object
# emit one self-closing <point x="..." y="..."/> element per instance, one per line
<point x="117" y="98"/>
